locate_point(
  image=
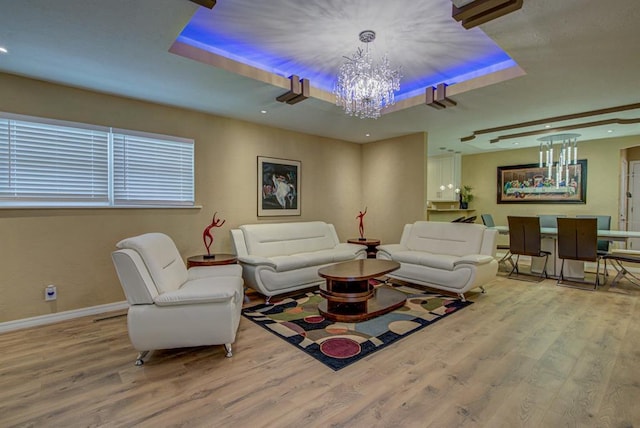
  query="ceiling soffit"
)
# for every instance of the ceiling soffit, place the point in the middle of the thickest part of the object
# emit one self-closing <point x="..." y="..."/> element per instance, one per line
<point x="594" y="124"/>
<point x="261" y="43"/>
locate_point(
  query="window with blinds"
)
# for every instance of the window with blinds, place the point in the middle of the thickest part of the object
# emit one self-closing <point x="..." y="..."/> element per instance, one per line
<point x="151" y="171"/>
<point x="45" y="163"/>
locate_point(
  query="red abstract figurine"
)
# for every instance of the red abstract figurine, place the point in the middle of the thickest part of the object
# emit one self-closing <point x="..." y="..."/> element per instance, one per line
<point x="207" y="237"/>
<point x="361" y="226"/>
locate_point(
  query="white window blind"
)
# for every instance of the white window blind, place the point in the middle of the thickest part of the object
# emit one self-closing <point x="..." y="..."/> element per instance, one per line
<point x="45" y="162"/>
<point x="53" y="163"/>
<point x="4" y="156"/>
<point x="152" y="171"/>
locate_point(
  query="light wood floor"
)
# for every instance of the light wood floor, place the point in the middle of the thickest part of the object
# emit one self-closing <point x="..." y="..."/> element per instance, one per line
<point x="524" y="354"/>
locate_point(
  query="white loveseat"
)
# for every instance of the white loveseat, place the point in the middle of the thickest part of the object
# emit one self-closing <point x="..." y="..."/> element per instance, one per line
<point x="454" y="257"/>
<point x="277" y="258"/>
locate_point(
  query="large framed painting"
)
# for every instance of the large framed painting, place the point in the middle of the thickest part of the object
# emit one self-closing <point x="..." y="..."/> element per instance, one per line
<point x="547" y="185"/>
<point x="278" y="187"/>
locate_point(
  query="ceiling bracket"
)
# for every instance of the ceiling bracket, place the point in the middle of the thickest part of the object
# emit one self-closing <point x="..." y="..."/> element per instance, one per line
<point x="206" y="3"/>
<point x="437" y="97"/>
<point x="478" y="12"/>
<point x="299" y="91"/>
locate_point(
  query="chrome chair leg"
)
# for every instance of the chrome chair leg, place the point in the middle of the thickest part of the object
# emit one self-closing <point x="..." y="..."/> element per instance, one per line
<point x="544" y="269"/>
<point x="561" y="276"/>
<point x="623" y="272"/>
<point x="574" y="283"/>
<point x="507" y="258"/>
<point x="227" y="347"/>
<point x="515" y="265"/>
<point x="141" y="357"/>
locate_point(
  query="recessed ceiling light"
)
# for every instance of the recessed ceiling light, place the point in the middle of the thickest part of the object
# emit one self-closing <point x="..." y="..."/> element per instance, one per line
<point x="367" y="135"/>
<point x="263" y="111"/>
<point x="547" y="126"/>
<point x="610" y="130"/>
<point x="3" y="50"/>
<point x="515" y="143"/>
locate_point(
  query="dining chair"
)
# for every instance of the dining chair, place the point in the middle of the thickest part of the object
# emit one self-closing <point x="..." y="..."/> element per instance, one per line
<point x="471" y="219"/>
<point x="525" y="240"/>
<point x="487" y="220"/>
<point x="578" y="240"/>
<point x="619" y="257"/>
<point x="604" y="246"/>
<point x="549" y="220"/>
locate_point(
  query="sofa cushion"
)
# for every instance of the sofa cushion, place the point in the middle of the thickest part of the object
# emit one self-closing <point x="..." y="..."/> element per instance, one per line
<point x="285" y="263"/>
<point x="436" y="261"/>
<point x="283" y="239"/>
<point x="456" y="239"/>
<point x="315" y="258"/>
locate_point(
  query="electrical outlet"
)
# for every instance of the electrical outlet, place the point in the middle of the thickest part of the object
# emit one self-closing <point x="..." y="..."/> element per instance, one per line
<point x="50" y="293"/>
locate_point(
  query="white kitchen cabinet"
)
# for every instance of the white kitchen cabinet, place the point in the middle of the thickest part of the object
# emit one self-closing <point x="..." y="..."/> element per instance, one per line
<point x="443" y="176"/>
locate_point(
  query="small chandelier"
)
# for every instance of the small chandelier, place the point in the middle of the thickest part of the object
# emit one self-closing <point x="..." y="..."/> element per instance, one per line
<point x="364" y="88"/>
<point x="567" y="155"/>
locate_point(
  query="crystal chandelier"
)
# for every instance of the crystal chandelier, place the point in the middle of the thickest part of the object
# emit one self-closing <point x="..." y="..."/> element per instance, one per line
<point x="363" y="87"/>
<point x="567" y="155"/>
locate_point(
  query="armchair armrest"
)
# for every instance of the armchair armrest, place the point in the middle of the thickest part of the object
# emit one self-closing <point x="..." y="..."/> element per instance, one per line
<point x="200" y="292"/>
<point x="473" y="259"/>
<point x="198" y="272"/>
<point x="388" y="249"/>
<point x="257" y="260"/>
<point x="350" y="246"/>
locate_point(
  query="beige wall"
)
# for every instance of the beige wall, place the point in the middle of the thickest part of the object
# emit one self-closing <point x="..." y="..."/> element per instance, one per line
<point x="71" y="247"/>
<point x="603" y="180"/>
<point x="394" y="183"/>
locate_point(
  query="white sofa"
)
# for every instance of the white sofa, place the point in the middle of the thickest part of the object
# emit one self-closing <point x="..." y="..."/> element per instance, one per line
<point x="277" y="258"/>
<point x="454" y="257"/>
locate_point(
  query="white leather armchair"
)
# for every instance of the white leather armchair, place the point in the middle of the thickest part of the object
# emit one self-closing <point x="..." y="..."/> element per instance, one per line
<point x="170" y="306"/>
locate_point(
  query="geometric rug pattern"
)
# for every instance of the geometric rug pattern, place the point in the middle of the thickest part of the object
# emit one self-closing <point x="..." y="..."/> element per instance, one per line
<point x="338" y="344"/>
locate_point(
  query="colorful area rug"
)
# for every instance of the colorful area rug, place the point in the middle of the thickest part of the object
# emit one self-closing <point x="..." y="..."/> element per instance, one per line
<point x="338" y="344"/>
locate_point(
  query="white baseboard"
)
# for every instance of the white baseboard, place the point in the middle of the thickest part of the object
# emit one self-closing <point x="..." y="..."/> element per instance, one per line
<point x="61" y="316"/>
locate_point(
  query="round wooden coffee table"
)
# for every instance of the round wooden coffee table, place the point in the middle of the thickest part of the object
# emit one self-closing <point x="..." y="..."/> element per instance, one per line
<point x="348" y="296"/>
